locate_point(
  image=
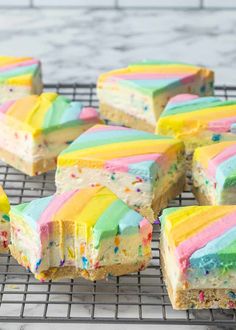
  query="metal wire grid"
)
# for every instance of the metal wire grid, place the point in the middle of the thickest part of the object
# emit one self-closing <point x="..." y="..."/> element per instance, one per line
<point x="135" y="298"/>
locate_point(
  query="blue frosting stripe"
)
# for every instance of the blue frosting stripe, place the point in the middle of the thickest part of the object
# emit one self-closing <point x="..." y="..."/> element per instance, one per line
<point x="130" y="223"/>
<point x="96" y="138"/>
<point x="71" y="113"/>
<point x="225" y="170"/>
<point x="146" y="169"/>
<point x="32" y="211"/>
<point x="208" y="257"/>
<point x="90" y="139"/>
<point x="104" y="136"/>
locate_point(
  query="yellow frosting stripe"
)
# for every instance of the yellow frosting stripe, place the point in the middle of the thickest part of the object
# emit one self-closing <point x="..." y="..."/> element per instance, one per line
<point x="4" y="203"/>
<point x="178" y="128"/>
<point x="7" y="60"/>
<point x="184" y="225"/>
<point x="115" y="150"/>
<point x="170" y="68"/>
<point x="37" y="114"/>
<point x="178" y="216"/>
<point x="49" y="112"/>
<point x="205" y="114"/>
<point x="25" y="79"/>
<point x="93" y="210"/>
<point x="204" y="154"/>
<point x="75" y="204"/>
<point x="25" y="105"/>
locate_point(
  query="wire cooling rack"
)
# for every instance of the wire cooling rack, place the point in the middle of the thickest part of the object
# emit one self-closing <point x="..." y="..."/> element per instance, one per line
<point x="135" y="298"/>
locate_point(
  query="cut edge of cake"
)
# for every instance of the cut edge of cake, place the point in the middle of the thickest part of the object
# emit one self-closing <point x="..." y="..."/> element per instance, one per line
<point x="88" y="233"/>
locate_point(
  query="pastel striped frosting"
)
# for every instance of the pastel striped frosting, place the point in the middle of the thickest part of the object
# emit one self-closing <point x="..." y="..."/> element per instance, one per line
<point x="154" y="77"/>
<point x="121" y="149"/>
<point x="219" y="162"/>
<point x="46" y="112"/>
<point x="201" y="237"/>
<point x="96" y="212"/>
<point x="187" y="115"/>
<point x="18" y="70"/>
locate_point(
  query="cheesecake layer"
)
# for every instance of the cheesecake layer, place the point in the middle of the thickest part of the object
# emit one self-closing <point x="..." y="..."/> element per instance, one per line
<point x="84" y="232"/>
<point x="142" y="90"/>
<point x="198" y="121"/>
<point x="198" y="256"/>
<point x="141" y="168"/>
<point x="19" y="77"/>
<point x="41" y="127"/>
<point x="214" y="173"/>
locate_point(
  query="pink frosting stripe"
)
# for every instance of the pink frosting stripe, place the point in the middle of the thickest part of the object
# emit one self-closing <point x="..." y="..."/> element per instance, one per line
<point x="122" y="164"/>
<point x="145" y="227"/>
<point x="98" y="128"/>
<point x="182" y="98"/>
<point x="57" y="202"/>
<point x="185" y="249"/>
<point x="5" y="106"/>
<point x="188" y="79"/>
<point x="88" y="113"/>
<point x="221" y="125"/>
<point x="220" y="158"/>
<point x="19" y="64"/>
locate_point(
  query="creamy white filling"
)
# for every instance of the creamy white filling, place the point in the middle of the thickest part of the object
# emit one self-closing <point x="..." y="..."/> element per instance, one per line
<point x="26" y="241"/>
<point x="132" y="189"/>
<point x="145" y="107"/>
<point x="204" y="184"/>
<point x="216" y="194"/>
<point x="43" y="146"/>
<point x="171" y="268"/>
<point x="126" y="186"/>
<point x="62" y="249"/>
<point x="129" y="101"/>
<point x="11" y="92"/>
<point x="18" y="142"/>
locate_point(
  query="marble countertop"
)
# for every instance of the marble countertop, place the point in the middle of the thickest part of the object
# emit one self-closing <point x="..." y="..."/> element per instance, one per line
<point x="76" y="45"/>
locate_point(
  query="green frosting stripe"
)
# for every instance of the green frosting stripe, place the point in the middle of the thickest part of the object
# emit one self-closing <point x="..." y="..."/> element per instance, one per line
<point x="105" y="227"/>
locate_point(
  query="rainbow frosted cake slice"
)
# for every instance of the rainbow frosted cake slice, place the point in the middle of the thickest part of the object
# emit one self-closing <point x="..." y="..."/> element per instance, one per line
<point x="143" y="169"/>
<point x="214" y="174"/>
<point x="198" y="121"/>
<point x="4" y="221"/>
<point x="198" y="254"/>
<point x="88" y="233"/>
<point x="135" y="96"/>
<point x="35" y="129"/>
<point x="19" y="76"/>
